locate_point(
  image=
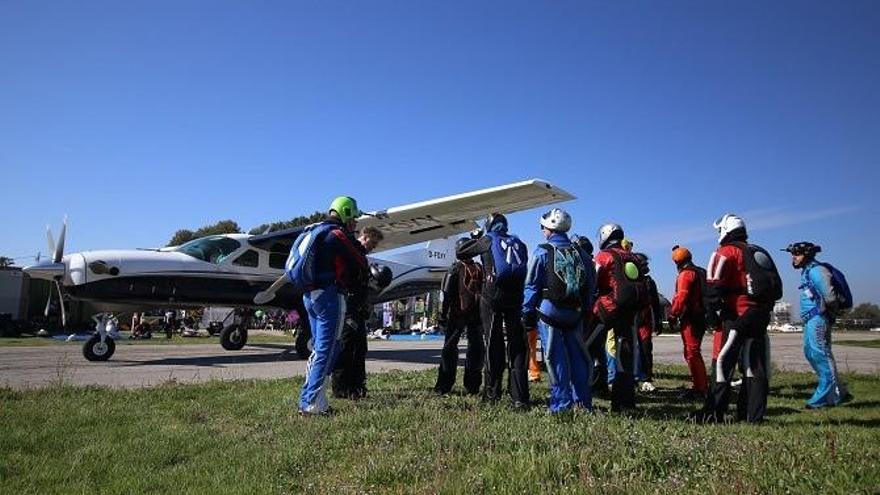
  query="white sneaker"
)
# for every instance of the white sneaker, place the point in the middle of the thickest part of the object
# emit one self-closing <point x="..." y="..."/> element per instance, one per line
<point x="736" y="383"/>
<point x="647" y="387"/>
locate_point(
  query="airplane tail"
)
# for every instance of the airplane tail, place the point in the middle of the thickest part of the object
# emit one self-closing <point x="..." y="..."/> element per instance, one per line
<point x="436" y="253"/>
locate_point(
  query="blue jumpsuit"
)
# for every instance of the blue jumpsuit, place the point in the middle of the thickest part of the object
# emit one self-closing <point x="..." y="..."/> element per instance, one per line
<point x="337" y="259"/>
<point x="568" y="361"/>
<point x="816" y="288"/>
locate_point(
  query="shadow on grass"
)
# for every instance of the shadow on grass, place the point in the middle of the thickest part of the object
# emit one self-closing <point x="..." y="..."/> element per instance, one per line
<point x="288" y="353"/>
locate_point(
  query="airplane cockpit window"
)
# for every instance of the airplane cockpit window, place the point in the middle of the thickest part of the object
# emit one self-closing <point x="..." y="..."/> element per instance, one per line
<point x="278" y="255"/>
<point x="249" y="258"/>
<point x="210" y="249"/>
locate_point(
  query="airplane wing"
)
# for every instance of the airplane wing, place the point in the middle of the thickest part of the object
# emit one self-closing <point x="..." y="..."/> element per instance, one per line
<point x="438" y="218"/>
<point x="452" y="215"/>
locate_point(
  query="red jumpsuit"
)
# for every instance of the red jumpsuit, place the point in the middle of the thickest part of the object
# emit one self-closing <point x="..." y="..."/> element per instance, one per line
<point x="608" y="316"/>
<point x="745" y="341"/>
<point x="687" y="307"/>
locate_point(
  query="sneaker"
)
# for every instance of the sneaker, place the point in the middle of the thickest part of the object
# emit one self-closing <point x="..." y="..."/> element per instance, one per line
<point x="736" y="383"/>
<point x="647" y="387"/>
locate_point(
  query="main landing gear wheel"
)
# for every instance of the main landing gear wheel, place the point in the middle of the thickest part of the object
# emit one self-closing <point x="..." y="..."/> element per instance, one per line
<point x="233" y="338"/>
<point x="95" y="350"/>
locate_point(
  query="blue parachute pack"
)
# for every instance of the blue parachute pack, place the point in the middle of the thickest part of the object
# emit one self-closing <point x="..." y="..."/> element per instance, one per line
<point x="510" y="256"/>
<point x="301" y="263"/>
<point x="841" y="288"/>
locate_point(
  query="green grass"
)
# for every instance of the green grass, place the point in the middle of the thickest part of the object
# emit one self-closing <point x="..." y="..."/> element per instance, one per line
<point x="158" y="339"/>
<point x="245" y="437"/>
<point x="872" y="344"/>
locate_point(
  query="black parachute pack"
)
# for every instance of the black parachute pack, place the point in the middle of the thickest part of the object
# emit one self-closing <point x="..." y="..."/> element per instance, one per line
<point x="470" y="283"/>
<point x="566" y="281"/>
<point x="763" y="283"/>
<point x="630" y="292"/>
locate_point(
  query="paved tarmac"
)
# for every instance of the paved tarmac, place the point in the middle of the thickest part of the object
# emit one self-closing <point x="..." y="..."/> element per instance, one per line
<point x="145" y="365"/>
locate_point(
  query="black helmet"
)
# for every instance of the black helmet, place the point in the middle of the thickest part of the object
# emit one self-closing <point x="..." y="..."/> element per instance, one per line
<point x="380" y="276"/>
<point x="496" y="223"/>
<point x="806" y="248"/>
<point x="583" y="242"/>
<point x="458" y="245"/>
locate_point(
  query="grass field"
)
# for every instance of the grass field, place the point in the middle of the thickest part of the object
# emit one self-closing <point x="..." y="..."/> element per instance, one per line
<point x="245" y="437"/>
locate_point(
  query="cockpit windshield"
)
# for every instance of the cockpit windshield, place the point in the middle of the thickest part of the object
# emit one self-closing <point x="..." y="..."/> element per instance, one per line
<point x="213" y="249"/>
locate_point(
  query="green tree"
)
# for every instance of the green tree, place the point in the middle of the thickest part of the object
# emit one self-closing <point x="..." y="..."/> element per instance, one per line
<point x="6" y="262"/>
<point x="864" y="311"/>
<point x="221" y="227"/>
<point x="181" y="236"/>
<point x="293" y="222"/>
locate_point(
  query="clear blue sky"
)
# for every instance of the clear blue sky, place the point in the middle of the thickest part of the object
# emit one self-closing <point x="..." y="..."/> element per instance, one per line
<point x="138" y="118"/>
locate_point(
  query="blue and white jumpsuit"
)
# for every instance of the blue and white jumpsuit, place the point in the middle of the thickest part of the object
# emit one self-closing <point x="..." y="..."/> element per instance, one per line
<point x="337" y="260"/>
<point x="568" y="361"/>
<point x="816" y="288"/>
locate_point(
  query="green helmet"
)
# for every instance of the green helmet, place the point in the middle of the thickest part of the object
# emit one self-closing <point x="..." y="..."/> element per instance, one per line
<point x="346" y="207"/>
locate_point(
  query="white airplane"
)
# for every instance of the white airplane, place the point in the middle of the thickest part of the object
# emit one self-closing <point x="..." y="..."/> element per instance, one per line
<point x="244" y="271"/>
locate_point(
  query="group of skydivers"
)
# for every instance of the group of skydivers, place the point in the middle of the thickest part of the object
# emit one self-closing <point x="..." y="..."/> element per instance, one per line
<point x="595" y="314"/>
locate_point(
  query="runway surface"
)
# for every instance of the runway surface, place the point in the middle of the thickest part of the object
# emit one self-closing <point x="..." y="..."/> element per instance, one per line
<point x="145" y="365"/>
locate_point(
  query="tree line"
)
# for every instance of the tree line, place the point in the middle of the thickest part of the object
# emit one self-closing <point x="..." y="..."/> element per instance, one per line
<point x="232" y="227"/>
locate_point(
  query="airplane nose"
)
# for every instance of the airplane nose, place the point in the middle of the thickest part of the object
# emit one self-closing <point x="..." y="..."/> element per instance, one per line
<point x="45" y="271"/>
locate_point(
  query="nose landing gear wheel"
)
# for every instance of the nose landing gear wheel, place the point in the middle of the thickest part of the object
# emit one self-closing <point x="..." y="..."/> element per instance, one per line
<point x="95" y="350"/>
<point x="233" y="338"/>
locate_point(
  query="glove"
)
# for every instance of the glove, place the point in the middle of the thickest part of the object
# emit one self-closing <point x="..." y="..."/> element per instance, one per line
<point x="476" y="233"/>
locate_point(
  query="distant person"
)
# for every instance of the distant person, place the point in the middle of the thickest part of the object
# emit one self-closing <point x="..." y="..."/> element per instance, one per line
<point x="326" y="268"/>
<point x="689" y="314"/>
<point x="650" y="322"/>
<point x="824" y="293"/>
<point x="743" y="284"/>
<point x="170" y="323"/>
<point x="350" y="375"/>
<point x="460" y="314"/>
<point x="559" y="292"/>
<point x="504" y="258"/>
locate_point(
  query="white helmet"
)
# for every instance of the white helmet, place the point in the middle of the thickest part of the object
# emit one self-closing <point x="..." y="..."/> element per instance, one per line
<point x="557" y="220"/>
<point x="609" y="232"/>
<point x="727" y="224"/>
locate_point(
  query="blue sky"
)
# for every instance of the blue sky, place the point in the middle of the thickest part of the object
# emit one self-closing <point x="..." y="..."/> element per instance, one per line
<point x="138" y="118"/>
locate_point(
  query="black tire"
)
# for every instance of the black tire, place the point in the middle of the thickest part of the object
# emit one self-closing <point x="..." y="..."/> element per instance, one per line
<point x="94" y="350"/>
<point x="233" y="338"/>
<point x="302" y="342"/>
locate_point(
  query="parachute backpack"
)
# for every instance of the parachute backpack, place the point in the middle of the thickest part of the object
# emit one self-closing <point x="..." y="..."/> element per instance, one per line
<point x="470" y="282"/>
<point x="763" y="284"/>
<point x="300" y="266"/>
<point x="567" y="278"/>
<point x="631" y="285"/>
<point x="844" y="299"/>
<point x="510" y="256"/>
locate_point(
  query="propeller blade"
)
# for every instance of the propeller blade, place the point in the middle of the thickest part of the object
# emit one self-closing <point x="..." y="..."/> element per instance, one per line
<point x="50" y="239"/>
<point x="59" y="248"/>
<point x="61" y="304"/>
<point x="267" y="295"/>
<point x="48" y="303"/>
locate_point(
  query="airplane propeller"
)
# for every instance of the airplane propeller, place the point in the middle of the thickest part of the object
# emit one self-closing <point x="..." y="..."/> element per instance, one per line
<point x="57" y="251"/>
<point x="267" y="295"/>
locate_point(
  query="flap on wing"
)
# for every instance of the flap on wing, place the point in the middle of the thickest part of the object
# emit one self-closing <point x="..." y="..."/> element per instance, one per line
<point x="452" y="215"/>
